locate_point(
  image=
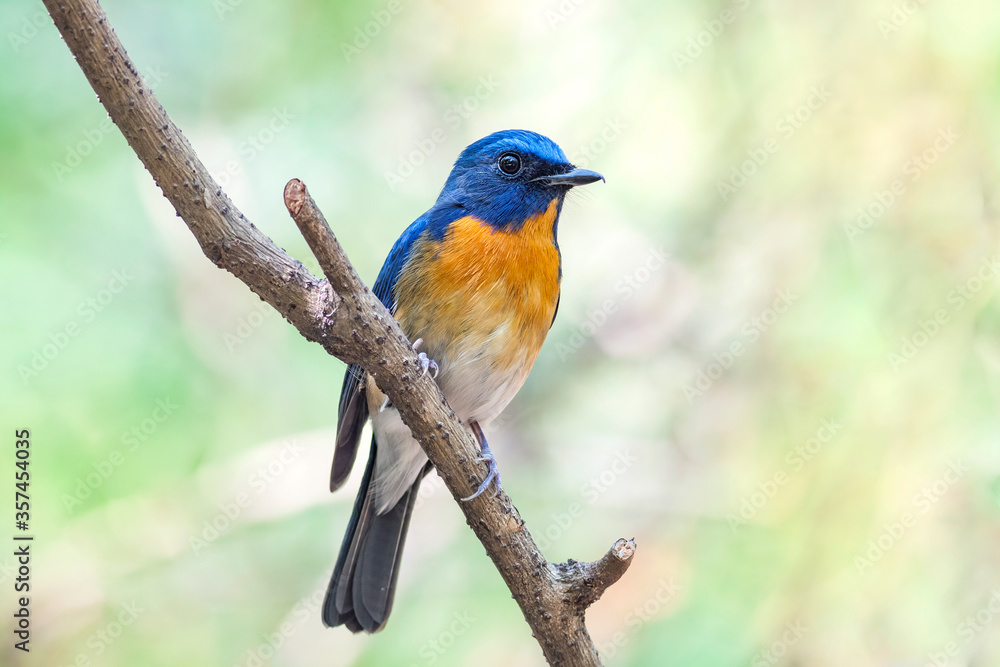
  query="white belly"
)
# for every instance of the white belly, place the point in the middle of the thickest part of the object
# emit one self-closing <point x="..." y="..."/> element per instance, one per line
<point x="474" y="389"/>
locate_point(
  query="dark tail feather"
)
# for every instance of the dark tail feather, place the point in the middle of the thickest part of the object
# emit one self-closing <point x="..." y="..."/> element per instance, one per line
<point x="364" y="580"/>
<point x="352" y="415"/>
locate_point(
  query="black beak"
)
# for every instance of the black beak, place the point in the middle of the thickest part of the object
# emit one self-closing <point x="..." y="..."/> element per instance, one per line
<point x="576" y="176"/>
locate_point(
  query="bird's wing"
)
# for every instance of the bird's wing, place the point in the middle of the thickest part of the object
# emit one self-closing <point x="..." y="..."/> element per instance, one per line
<point x="353" y="409"/>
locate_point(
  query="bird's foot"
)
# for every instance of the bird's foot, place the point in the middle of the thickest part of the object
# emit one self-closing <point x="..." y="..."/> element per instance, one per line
<point x="426" y="363"/>
<point x="491" y="463"/>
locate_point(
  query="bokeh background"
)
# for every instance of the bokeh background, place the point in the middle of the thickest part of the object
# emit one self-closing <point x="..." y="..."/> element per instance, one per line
<point x="776" y="363"/>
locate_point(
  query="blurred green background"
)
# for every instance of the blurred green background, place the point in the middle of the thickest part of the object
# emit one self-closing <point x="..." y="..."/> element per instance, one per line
<point x="776" y="362"/>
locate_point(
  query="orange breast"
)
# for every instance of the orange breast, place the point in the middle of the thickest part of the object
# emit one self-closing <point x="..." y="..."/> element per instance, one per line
<point x="482" y="292"/>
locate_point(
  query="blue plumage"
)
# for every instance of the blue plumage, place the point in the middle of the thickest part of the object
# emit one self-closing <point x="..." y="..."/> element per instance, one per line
<point x="476" y="187"/>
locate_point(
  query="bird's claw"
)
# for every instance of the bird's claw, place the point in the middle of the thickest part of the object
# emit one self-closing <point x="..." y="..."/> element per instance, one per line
<point x="491" y="476"/>
<point x="426" y="363"/>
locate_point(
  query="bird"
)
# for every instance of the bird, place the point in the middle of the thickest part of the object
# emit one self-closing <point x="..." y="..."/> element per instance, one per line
<point x="475" y="283"/>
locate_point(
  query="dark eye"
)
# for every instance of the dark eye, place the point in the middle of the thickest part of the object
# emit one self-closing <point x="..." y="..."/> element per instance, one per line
<point x="509" y="163"/>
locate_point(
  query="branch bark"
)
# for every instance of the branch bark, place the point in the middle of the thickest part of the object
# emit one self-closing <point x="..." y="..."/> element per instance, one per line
<point x="343" y="315"/>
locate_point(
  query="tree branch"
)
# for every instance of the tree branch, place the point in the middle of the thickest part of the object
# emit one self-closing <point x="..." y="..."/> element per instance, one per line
<point x="341" y="314"/>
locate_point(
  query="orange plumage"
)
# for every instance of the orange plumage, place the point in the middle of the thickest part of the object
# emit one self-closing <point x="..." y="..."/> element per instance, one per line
<point x="483" y="290"/>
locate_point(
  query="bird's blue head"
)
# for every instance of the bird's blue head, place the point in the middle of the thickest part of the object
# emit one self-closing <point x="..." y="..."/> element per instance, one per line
<point x="508" y="177"/>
